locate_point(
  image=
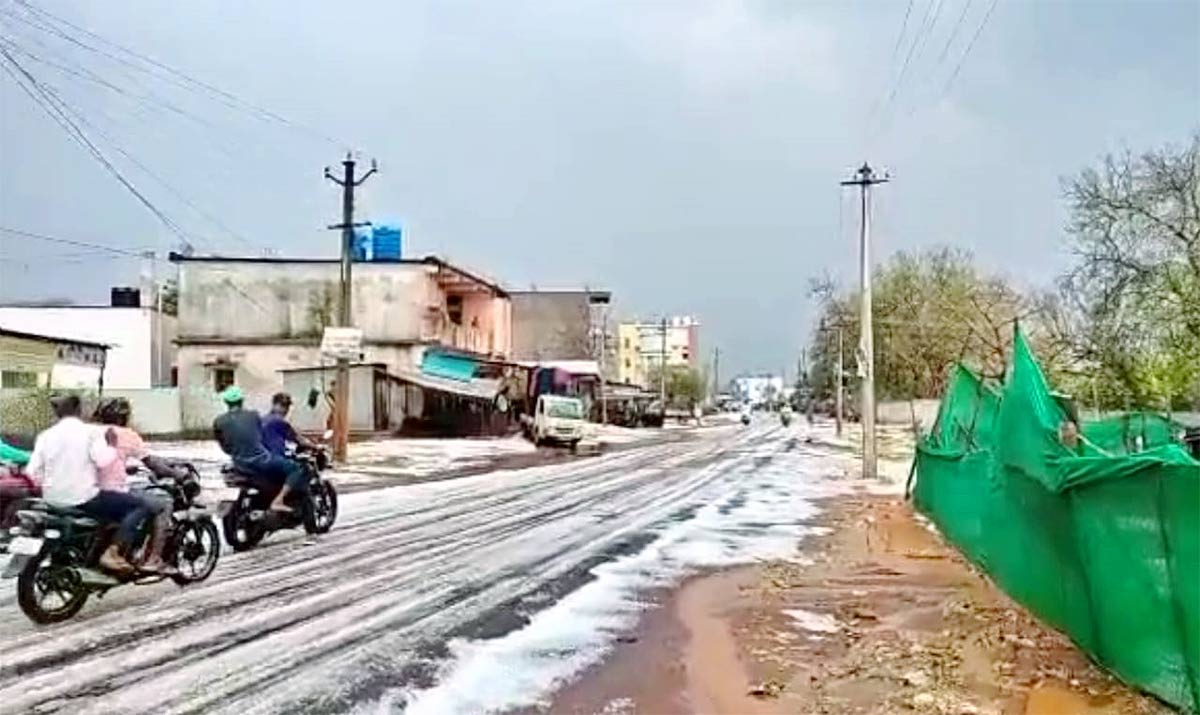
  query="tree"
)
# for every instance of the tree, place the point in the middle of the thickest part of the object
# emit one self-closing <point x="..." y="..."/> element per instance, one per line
<point x="1133" y="296"/>
<point x="686" y="386"/>
<point x="932" y="308"/>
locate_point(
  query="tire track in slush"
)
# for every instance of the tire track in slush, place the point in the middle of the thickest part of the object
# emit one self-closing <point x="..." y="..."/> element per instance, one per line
<point x="370" y="608"/>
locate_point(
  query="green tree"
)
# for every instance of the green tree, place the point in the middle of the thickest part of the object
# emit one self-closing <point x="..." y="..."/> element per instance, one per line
<point x="932" y="308"/>
<point x="686" y="386"/>
<point x="1133" y="295"/>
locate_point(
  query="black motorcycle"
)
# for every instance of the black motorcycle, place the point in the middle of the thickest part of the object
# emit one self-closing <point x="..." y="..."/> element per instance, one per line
<point x="246" y="517"/>
<point x="55" y="551"/>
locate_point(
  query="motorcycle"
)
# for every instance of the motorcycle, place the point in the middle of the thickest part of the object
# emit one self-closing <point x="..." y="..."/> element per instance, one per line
<point x="746" y="418"/>
<point x="16" y="488"/>
<point x="55" y="551"/>
<point x="246" y="517"/>
<point x="785" y="417"/>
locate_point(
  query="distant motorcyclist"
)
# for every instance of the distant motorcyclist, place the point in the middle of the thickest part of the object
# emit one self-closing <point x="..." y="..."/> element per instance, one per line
<point x="115" y="413"/>
<point x="240" y="433"/>
<point x="277" y="431"/>
<point x="66" y="461"/>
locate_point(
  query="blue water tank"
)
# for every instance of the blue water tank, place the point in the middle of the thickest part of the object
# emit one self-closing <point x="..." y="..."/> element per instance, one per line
<point x="385" y="243"/>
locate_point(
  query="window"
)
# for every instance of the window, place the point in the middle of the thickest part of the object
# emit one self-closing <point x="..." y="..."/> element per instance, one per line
<point x="454" y="309"/>
<point x="17" y="379"/>
<point x="626" y="343"/>
<point x="222" y="378"/>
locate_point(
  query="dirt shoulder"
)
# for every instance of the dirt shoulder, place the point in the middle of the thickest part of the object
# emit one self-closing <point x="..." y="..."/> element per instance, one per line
<point x="886" y="618"/>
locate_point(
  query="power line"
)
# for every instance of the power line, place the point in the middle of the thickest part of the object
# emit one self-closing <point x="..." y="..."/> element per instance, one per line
<point x="133" y="252"/>
<point x="954" y="32"/>
<point x="45" y="100"/>
<point x="892" y="59"/>
<point x="921" y="32"/>
<point x="196" y="85"/>
<point x="970" y="45"/>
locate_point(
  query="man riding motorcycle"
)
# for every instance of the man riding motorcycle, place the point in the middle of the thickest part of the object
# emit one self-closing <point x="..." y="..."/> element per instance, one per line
<point x="66" y="461"/>
<point x="114" y="413"/>
<point x="240" y="433"/>
<point x="277" y="431"/>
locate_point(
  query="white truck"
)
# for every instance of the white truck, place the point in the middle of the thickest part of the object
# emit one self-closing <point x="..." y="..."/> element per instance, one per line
<point x="556" y="420"/>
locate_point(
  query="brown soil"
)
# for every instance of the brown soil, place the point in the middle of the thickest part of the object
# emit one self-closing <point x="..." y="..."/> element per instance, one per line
<point x="915" y="629"/>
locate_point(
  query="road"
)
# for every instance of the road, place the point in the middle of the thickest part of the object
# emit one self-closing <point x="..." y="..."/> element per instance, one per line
<point x="452" y="596"/>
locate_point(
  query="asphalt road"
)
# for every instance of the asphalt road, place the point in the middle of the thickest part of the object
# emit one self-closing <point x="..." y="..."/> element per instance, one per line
<point x="368" y="619"/>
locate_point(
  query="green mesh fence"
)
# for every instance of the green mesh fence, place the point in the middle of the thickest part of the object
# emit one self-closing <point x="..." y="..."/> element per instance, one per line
<point x="1100" y="540"/>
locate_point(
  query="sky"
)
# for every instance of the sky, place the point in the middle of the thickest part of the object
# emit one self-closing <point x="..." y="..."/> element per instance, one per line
<point x="685" y="155"/>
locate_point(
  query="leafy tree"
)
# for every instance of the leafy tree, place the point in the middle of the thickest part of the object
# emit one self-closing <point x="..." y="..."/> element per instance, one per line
<point x="686" y="387"/>
<point x="931" y="309"/>
<point x="1133" y="296"/>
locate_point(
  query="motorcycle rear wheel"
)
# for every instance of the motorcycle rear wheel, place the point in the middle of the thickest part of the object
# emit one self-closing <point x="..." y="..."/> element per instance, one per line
<point x="41" y="577"/>
<point x="240" y="533"/>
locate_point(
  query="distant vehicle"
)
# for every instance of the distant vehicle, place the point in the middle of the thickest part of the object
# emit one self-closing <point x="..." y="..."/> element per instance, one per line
<point x="746" y="417"/>
<point x="557" y="420"/>
<point x="785" y="415"/>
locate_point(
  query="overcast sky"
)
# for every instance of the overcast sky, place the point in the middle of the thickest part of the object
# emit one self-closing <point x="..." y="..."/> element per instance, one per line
<point x="685" y="155"/>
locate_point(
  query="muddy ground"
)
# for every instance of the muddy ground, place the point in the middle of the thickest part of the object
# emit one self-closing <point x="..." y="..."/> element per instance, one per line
<point x="885" y="619"/>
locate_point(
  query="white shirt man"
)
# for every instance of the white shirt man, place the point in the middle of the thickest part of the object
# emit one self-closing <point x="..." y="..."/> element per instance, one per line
<point x="66" y="461"/>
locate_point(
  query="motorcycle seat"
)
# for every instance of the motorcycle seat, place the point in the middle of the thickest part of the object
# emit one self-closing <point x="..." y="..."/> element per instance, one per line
<point x="77" y="517"/>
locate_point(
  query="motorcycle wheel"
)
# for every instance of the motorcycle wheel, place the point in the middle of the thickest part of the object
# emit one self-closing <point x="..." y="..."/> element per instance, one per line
<point x="324" y="509"/>
<point x="42" y="578"/>
<point x="197" y="547"/>
<point x="240" y="533"/>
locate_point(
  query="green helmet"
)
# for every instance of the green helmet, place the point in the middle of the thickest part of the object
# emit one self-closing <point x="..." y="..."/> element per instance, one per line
<point x="232" y="394"/>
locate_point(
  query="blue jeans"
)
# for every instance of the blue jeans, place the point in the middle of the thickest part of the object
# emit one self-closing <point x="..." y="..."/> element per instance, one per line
<point x="119" y="507"/>
<point x="278" y="471"/>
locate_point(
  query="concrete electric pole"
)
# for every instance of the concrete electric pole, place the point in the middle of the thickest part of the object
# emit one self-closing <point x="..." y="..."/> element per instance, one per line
<point x="662" y="369"/>
<point x="716" y="373"/>
<point x="865" y="179"/>
<point x="341" y="394"/>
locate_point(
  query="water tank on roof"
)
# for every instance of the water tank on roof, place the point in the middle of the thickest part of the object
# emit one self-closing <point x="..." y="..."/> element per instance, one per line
<point x="125" y="297"/>
<point x="385" y="243"/>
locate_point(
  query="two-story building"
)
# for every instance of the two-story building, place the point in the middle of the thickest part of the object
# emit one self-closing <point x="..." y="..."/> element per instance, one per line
<point x="246" y="320"/>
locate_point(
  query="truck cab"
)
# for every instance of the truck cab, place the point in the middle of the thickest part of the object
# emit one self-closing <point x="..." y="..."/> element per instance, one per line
<point x="557" y="420"/>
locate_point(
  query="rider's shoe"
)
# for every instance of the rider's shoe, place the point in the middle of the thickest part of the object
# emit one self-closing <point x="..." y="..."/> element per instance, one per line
<point x="159" y="566"/>
<point x="112" y="560"/>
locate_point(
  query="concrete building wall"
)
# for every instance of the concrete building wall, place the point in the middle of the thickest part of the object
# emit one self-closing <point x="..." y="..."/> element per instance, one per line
<point x="640" y="347"/>
<point x="256" y="370"/>
<point x="552" y="325"/>
<point x="278" y="300"/>
<point x="132" y="333"/>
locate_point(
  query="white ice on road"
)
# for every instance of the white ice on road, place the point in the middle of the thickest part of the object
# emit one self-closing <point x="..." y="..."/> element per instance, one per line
<point x="463" y="595"/>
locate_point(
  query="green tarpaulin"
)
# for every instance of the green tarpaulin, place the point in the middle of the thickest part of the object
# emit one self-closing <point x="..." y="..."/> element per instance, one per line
<point x="1099" y="538"/>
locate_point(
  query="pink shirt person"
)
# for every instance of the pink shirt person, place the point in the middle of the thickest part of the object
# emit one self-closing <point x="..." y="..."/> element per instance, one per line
<point x="129" y="445"/>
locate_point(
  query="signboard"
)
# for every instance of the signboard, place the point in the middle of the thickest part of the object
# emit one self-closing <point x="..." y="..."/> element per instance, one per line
<point x="342" y="344"/>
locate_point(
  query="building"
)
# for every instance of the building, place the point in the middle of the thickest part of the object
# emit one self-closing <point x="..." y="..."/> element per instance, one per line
<point x="250" y="320"/>
<point x="643" y="346"/>
<point x="559" y="324"/>
<point x="32" y="360"/>
<point x="141" y="349"/>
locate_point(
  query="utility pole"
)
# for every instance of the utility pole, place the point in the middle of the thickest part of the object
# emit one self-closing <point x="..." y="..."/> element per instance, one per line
<point x="865" y="179"/>
<point x="603" y="342"/>
<point x="662" y="369"/>
<point x="716" y="373"/>
<point x="341" y="394"/>
<point x="840" y="383"/>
